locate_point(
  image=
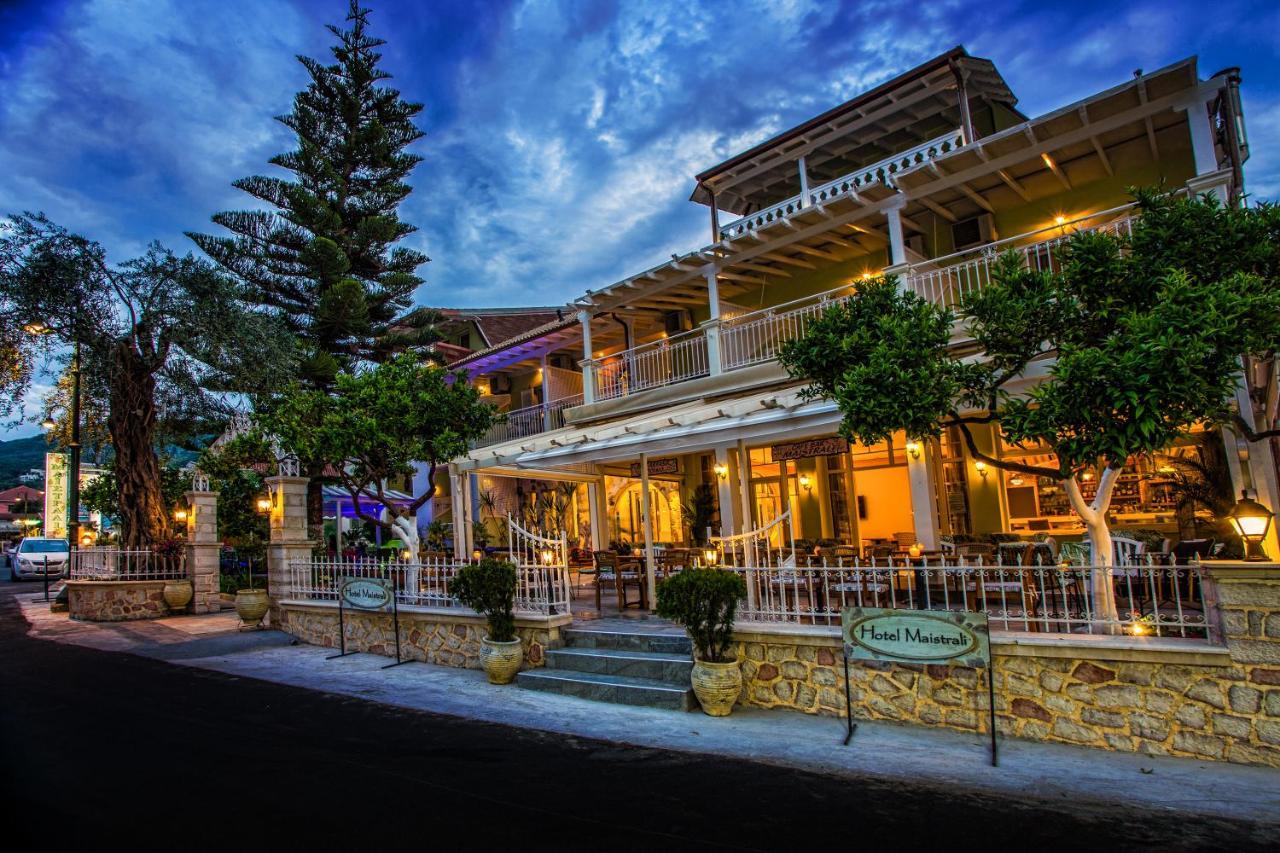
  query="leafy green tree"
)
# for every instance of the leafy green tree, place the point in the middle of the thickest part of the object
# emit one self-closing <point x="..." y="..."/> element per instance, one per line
<point x="1131" y="342"/>
<point x="323" y="254"/>
<point x="162" y="336"/>
<point x="377" y="423"/>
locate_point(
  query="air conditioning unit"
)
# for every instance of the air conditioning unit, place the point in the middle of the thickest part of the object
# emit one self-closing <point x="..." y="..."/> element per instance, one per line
<point x="676" y="322"/>
<point x="976" y="231"/>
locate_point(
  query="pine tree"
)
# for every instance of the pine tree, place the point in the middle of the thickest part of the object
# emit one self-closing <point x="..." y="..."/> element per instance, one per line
<point x="324" y="256"/>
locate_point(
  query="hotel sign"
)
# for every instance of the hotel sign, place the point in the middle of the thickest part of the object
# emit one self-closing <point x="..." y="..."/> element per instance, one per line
<point x="808" y="449"/>
<point x="916" y="636"/>
<point x="669" y="465"/>
<point x="366" y="593"/>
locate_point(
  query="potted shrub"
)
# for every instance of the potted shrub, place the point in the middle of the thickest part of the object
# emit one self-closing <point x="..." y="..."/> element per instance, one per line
<point x="489" y="588"/>
<point x="177" y="592"/>
<point x="705" y="602"/>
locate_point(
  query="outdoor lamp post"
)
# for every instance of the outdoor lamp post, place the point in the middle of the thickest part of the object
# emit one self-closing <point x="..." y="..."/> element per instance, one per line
<point x="1252" y="521"/>
<point x="711" y="556"/>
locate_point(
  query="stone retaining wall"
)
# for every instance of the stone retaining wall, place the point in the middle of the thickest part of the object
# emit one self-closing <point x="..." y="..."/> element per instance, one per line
<point x="1126" y="695"/>
<point x="447" y="639"/>
<point x="116" y="601"/>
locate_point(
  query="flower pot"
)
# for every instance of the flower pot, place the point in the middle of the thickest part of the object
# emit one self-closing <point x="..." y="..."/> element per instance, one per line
<point x="717" y="686"/>
<point x="501" y="661"/>
<point x="251" y="606"/>
<point x="177" y="594"/>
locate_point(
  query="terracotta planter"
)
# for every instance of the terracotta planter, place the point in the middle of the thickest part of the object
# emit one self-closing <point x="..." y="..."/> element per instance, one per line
<point x="177" y="594"/>
<point x="251" y="606"/>
<point x="717" y="686"/>
<point x="501" y="661"/>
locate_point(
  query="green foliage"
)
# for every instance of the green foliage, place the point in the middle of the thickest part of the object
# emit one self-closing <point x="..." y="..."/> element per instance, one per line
<point x="882" y="356"/>
<point x="230" y="473"/>
<point x="322" y="257"/>
<point x="436" y="533"/>
<point x="700" y="512"/>
<point x="101" y="493"/>
<point x="489" y="588"/>
<point x="705" y="602"/>
<point x="378" y="421"/>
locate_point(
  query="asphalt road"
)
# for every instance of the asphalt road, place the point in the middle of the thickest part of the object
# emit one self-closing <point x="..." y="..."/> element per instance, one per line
<point x="100" y="748"/>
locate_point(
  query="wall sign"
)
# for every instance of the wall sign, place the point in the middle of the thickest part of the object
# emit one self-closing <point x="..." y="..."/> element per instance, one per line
<point x="57" y="480"/>
<point x="808" y="449"/>
<point x="366" y="593"/>
<point x="669" y="465"/>
<point x="915" y="636"/>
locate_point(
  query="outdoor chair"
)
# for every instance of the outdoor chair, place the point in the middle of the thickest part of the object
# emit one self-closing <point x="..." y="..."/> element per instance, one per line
<point x="673" y="560"/>
<point x="621" y="572"/>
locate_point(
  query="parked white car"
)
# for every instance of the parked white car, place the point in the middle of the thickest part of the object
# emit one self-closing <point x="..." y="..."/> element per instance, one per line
<point x="36" y="555"/>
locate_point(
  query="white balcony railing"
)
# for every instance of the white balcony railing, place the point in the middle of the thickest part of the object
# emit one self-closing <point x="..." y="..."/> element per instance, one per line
<point x="652" y="365"/>
<point x="946" y="280"/>
<point x="881" y="172"/>
<point x="530" y="420"/>
<point x="758" y="336"/>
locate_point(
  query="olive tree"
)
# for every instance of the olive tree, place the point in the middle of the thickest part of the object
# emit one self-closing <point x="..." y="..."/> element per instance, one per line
<point x="1121" y="348"/>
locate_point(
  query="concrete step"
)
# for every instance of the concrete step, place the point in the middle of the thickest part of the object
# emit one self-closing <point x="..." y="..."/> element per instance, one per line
<point x="619" y="689"/>
<point x="634" y="641"/>
<point x="667" y="667"/>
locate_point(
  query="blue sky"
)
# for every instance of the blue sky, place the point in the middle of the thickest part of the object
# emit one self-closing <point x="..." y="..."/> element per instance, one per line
<point x="561" y="137"/>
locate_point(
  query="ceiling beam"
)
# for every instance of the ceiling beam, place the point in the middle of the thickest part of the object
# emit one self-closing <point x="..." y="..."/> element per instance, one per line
<point x="1012" y="183"/>
<point x="938" y="209"/>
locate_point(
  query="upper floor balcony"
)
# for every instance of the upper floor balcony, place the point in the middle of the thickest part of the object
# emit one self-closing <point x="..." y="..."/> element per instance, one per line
<point x="757" y="337"/>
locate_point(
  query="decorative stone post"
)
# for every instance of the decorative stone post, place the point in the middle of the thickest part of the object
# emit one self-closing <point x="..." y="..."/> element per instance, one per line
<point x="289" y="540"/>
<point x="203" y="546"/>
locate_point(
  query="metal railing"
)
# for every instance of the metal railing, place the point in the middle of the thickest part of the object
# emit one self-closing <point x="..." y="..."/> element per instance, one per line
<point x="758" y="337"/>
<point x="541" y="590"/>
<point x="531" y="420"/>
<point x="946" y="280"/>
<point x="1150" y="600"/>
<point x="113" y="564"/>
<point x="664" y="362"/>
<point x="881" y="172"/>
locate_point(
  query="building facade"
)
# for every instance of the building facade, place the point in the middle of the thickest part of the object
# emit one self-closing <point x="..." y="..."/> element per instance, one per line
<point x="619" y="407"/>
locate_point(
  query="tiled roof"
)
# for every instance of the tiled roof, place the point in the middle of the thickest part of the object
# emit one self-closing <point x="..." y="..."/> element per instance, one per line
<point x="18" y="493"/>
<point x="501" y="324"/>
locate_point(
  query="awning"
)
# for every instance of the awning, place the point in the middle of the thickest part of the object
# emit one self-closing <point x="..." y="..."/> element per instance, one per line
<point x="336" y="497"/>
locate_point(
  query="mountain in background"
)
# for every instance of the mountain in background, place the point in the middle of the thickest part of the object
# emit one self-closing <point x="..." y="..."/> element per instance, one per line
<point x="19" y="456"/>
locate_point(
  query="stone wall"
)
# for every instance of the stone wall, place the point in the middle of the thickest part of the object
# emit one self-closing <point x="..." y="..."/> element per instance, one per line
<point x="115" y="601"/>
<point x="446" y="639"/>
<point x="1126" y="694"/>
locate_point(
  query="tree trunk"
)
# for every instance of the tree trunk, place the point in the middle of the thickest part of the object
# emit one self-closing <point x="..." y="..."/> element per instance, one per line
<point x="132" y="422"/>
<point x="1094" y="517"/>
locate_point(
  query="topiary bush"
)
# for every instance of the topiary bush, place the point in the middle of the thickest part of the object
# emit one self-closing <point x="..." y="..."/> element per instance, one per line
<point x="705" y="602"/>
<point x="489" y="588"/>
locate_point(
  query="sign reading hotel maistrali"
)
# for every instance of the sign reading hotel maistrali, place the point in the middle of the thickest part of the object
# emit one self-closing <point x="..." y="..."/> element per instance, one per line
<point x="668" y="465"/>
<point x="831" y="446"/>
<point x="916" y="636"/>
<point x="366" y="593"/>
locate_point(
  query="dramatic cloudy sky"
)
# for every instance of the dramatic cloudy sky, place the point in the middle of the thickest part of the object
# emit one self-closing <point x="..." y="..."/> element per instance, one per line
<point x="561" y="137"/>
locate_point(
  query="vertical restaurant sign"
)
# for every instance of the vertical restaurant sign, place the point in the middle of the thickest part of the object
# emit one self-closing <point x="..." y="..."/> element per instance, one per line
<point x="56" y="482"/>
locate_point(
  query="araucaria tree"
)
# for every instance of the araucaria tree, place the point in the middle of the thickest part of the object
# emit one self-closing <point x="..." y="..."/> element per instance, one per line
<point x="1116" y="353"/>
<point x="161" y="336"/>
<point x="323" y="256"/>
<point x="375" y="424"/>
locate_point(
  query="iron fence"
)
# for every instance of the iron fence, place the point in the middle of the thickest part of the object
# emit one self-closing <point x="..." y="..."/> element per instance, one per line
<point x="114" y="564"/>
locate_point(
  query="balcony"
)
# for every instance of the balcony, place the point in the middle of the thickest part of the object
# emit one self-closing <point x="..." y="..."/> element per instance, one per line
<point x="881" y="172"/>
<point x="530" y="420"/>
<point x="757" y="337"/>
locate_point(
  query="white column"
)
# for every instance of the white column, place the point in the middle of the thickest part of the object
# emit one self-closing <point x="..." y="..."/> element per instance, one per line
<point x="646" y="524"/>
<point x="1251" y="463"/>
<point x="744" y="486"/>
<point x="804" y="183"/>
<point x="547" y="425"/>
<point x="724" y="494"/>
<point x="421" y="482"/>
<point x="1202" y="147"/>
<point x="457" y="497"/>
<point x="897" y="246"/>
<point x="924" y="497"/>
<point x="598" y="523"/>
<point x="711" y="328"/>
<point x="588" y="363"/>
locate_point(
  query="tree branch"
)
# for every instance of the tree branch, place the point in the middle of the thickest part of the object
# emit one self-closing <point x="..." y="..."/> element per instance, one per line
<point x="1005" y="464"/>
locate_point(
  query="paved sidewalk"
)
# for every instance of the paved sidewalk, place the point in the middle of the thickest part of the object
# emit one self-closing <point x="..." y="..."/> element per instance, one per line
<point x="936" y="758"/>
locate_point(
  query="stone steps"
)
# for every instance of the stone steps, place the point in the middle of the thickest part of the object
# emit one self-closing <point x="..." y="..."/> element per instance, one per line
<point x="649" y="668"/>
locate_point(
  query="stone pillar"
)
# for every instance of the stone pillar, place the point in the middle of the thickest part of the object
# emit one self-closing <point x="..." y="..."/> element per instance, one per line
<point x="288" y="541"/>
<point x="1247" y="598"/>
<point x="202" y="550"/>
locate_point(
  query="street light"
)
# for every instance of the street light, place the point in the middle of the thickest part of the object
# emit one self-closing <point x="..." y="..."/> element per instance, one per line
<point x="48" y="424"/>
<point x="1252" y="521"/>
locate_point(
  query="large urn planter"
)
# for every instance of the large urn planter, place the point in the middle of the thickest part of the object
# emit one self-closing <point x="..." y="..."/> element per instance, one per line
<point x="501" y="661"/>
<point x="251" y="606"/>
<point x="717" y="686"/>
<point x="178" y="594"/>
